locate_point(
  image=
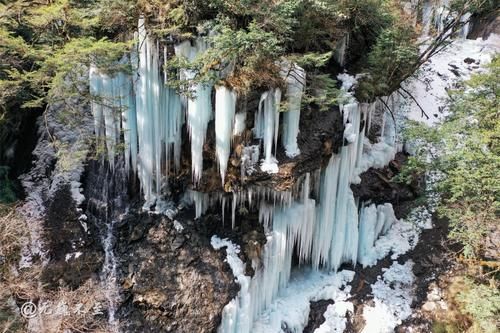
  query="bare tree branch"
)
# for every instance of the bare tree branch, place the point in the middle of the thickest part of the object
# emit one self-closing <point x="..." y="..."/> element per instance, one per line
<point x="414" y="99"/>
<point x="390" y="111"/>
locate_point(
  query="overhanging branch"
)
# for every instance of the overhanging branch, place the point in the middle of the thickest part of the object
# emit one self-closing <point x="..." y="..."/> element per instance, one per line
<point x="414" y="99"/>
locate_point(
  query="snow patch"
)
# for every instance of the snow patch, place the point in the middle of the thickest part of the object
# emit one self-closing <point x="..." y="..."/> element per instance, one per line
<point x="335" y="317"/>
<point x="178" y="226"/>
<point x="291" y="308"/>
<point x="393" y="295"/>
<point x="73" y="255"/>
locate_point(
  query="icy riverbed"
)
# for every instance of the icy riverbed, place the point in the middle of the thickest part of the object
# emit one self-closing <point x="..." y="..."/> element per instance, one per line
<point x="461" y="59"/>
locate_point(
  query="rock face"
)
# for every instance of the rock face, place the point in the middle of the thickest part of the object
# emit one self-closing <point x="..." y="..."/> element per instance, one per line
<point x="173" y="280"/>
<point x="169" y="280"/>
<point x="378" y="186"/>
<point x="168" y="276"/>
<point x="60" y="237"/>
<point x="75" y="253"/>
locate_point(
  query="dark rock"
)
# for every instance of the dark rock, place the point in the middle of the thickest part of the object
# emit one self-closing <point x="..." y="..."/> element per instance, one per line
<point x="432" y="257"/>
<point x="177" y="243"/>
<point x="65" y="236"/>
<point x="178" y="284"/>
<point x="485" y="24"/>
<point x="316" y="317"/>
<point x="455" y="72"/>
<point x="492" y="243"/>
<point x="137" y="233"/>
<point x="469" y="60"/>
<point x="378" y="187"/>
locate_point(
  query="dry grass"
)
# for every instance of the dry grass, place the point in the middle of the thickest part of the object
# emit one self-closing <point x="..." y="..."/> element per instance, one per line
<point x="74" y="310"/>
<point x="13" y="230"/>
<point x="79" y="310"/>
<point x="13" y="283"/>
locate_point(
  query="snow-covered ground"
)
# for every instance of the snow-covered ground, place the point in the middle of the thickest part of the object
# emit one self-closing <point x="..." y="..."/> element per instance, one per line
<point x="444" y="71"/>
<point x="392" y="294"/>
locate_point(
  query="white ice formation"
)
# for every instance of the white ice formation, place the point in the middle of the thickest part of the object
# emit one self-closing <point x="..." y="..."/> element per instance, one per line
<point x="320" y="221"/>
<point x="225" y="105"/>
<point x="145" y="111"/>
<point x="140" y="113"/>
<point x="295" y="78"/>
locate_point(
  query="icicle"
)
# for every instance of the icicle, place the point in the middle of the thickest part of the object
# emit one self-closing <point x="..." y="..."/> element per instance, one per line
<point x="296" y="80"/>
<point x="323" y="233"/>
<point x="233" y="210"/>
<point x="340" y="52"/>
<point x="201" y="201"/>
<point x="258" y="130"/>
<point x="350" y="253"/>
<point x="464" y="31"/>
<point x="144" y="115"/>
<point x="240" y="119"/>
<point x="199" y="109"/>
<point x="95" y="83"/>
<point x="108" y="110"/>
<point x="129" y="120"/>
<point x="340" y="220"/>
<point x="225" y="104"/>
<point x="426" y="18"/>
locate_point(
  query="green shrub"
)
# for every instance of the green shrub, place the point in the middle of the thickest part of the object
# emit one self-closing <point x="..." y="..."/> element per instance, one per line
<point x="482" y="303"/>
<point x="466" y="147"/>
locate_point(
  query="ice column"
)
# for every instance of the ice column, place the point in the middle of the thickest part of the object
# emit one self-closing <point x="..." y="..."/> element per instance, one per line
<point x="341" y="49"/>
<point x="159" y="118"/>
<point x="129" y="121"/>
<point x="112" y="107"/>
<point x="295" y="78"/>
<point x="225" y="104"/>
<point x="199" y="109"/>
<point x="95" y="83"/>
<point x="336" y="232"/>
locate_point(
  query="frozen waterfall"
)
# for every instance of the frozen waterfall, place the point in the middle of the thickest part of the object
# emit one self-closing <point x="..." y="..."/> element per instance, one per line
<point x="148" y="113"/>
<point x="322" y="225"/>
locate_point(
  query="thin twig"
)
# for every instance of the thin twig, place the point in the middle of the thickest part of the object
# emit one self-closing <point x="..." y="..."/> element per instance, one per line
<point x="390" y="111"/>
<point x="414" y="99"/>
